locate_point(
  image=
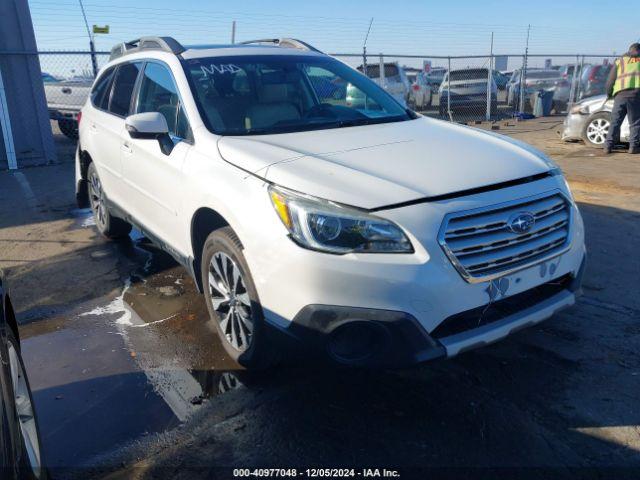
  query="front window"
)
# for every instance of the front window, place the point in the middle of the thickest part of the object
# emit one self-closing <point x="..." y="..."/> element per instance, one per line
<point x="252" y="95"/>
<point x="158" y="93"/>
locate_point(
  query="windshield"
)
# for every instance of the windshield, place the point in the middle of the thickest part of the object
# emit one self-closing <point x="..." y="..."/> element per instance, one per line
<point x="252" y="95"/>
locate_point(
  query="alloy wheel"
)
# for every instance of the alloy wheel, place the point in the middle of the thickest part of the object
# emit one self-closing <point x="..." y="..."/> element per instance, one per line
<point x="230" y="300"/>
<point x="597" y="131"/>
<point x="97" y="201"/>
<point x="24" y="409"/>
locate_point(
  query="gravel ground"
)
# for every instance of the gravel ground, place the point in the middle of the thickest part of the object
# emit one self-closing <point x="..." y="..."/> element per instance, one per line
<point x="130" y="380"/>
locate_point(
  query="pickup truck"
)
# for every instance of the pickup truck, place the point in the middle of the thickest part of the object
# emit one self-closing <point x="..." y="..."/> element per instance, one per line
<point x="65" y="98"/>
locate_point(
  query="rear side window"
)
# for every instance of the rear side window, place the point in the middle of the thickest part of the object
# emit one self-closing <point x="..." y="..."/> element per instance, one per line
<point x="125" y="80"/>
<point x="101" y="89"/>
<point x="158" y="93"/>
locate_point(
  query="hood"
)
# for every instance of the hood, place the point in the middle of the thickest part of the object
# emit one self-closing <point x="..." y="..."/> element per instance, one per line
<point x="377" y="165"/>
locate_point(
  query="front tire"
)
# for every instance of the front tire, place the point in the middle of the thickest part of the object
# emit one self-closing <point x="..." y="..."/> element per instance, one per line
<point x="596" y="129"/>
<point x="232" y="301"/>
<point x="30" y="456"/>
<point x="108" y="225"/>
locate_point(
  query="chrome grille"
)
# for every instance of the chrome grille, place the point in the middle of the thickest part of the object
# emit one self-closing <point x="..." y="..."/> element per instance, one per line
<point x="481" y="245"/>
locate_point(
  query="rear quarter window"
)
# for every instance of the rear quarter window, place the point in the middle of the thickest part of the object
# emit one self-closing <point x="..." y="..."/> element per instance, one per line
<point x="102" y="87"/>
<point x="124" y="82"/>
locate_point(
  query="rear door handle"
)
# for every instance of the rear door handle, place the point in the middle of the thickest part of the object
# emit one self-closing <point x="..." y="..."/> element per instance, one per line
<point x="93" y="128"/>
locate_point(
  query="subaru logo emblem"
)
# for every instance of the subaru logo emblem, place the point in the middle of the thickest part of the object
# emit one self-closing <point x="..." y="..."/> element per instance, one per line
<point x="521" y="222"/>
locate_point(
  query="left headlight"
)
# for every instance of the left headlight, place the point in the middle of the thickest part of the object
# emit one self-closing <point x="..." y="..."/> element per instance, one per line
<point x="322" y="225"/>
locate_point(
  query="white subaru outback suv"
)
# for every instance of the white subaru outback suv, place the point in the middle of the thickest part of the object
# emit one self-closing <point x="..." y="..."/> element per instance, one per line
<point x="368" y="234"/>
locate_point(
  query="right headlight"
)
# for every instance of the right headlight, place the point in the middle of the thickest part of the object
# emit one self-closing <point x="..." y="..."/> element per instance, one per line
<point x="325" y="226"/>
<point x="582" y="109"/>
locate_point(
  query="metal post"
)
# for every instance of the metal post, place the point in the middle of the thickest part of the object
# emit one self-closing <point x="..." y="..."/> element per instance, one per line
<point x="572" y="90"/>
<point x="449" y="90"/>
<point x="364" y="48"/>
<point x="579" y="84"/>
<point x="489" y="80"/>
<point x="5" y="126"/>
<point x="233" y="32"/>
<point x="94" y="61"/>
<point x="523" y="73"/>
<point x="364" y="60"/>
<point x="381" y="76"/>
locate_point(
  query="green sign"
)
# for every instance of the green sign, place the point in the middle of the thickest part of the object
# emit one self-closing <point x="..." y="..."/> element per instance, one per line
<point x="97" y="29"/>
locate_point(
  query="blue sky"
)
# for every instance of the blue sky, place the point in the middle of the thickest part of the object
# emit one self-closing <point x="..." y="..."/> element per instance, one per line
<point x="460" y="27"/>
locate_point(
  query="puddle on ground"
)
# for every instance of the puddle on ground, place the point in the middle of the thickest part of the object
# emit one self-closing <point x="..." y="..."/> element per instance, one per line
<point x="166" y="326"/>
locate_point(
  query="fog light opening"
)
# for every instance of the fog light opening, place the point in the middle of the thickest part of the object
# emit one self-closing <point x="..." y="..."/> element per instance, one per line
<point x="356" y="341"/>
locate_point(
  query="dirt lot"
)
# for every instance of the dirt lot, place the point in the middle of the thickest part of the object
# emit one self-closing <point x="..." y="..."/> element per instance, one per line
<point x="130" y="380"/>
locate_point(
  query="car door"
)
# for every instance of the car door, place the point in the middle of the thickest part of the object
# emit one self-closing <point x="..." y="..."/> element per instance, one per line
<point x="106" y="126"/>
<point x="154" y="179"/>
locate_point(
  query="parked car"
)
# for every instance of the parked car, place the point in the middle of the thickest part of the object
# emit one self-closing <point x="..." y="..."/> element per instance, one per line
<point x="593" y="80"/>
<point x="420" y="95"/>
<point x="369" y="234"/>
<point x="64" y="101"/>
<point x="468" y="90"/>
<point x="501" y="79"/>
<point x="395" y="80"/>
<point x="565" y="85"/>
<point x="20" y="455"/>
<point x="434" y="77"/>
<point x="535" y="80"/>
<point x="589" y="120"/>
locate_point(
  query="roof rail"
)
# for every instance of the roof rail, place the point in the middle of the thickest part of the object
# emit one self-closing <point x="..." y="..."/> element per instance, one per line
<point x="285" y="42"/>
<point x="167" y="44"/>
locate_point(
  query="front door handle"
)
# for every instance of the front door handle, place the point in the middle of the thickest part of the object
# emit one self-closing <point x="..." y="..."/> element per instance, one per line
<point x="126" y="148"/>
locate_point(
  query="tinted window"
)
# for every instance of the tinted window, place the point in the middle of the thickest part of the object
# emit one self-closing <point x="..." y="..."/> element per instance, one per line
<point x="124" y="82"/>
<point x="373" y="70"/>
<point x="158" y="93"/>
<point x="101" y="89"/>
<point x="470" y="74"/>
<point x="543" y="74"/>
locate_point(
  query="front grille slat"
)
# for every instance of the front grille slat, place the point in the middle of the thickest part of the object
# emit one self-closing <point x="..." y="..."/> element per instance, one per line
<point x="504" y="237"/>
<point x="478" y="222"/>
<point x="481" y="244"/>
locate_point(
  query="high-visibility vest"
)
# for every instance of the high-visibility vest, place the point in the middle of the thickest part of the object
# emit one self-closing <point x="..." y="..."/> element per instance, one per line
<point x="628" y="74"/>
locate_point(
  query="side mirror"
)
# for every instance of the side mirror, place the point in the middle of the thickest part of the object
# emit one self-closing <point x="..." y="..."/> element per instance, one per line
<point x="150" y="126"/>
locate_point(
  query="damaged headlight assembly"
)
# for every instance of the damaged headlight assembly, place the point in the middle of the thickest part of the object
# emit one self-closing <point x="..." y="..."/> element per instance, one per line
<point x="328" y="227"/>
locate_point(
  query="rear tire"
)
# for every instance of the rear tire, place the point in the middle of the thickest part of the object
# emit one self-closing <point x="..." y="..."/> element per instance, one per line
<point x="232" y="301"/>
<point x="108" y="225"/>
<point x="69" y="128"/>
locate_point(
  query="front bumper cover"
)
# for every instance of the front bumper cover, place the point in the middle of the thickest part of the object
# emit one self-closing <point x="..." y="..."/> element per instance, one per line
<point x="383" y="338"/>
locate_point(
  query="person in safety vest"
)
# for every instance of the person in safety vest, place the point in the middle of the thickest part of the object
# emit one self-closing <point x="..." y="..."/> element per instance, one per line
<point x="623" y="85"/>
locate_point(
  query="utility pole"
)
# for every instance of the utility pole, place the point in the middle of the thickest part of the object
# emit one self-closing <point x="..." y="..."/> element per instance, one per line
<point x="233" y="32"/>
<point x="523" y="73"/>
<point x="490" y="80"/>
<point x="92" y="47"/>
<point x="364" y="48"/>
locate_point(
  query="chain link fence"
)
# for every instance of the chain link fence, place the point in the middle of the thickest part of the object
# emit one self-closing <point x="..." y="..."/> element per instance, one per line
<point x="455" y="88"/>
